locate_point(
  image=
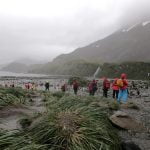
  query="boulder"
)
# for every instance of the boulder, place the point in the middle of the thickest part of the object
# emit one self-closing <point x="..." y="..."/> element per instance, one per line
<point x="129" y="146"/>
<point x="124" y="121"/>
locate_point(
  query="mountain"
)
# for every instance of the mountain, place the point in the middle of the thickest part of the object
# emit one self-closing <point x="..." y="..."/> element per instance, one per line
<point x="28" y="61"/>
<point x="130" y="44"/>
<point x="22" y="65"/>
<point x="126" y="45"/>
<point x="16" y="67"/>
<point x="74" y="67"/>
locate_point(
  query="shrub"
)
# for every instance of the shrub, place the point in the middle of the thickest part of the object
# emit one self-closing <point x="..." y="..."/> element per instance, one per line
<point x="25" y="122"/>
<point x="113" y="105"/>
<point x="81" y="129"/>
<point x="58" y="94"/>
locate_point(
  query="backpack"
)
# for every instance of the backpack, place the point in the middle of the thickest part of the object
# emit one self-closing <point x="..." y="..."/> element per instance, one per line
<point x="120" y="82"/>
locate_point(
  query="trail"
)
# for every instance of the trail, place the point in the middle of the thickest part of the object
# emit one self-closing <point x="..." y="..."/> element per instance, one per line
<point x="10" y="116"/>
<point x="142" y="139"/>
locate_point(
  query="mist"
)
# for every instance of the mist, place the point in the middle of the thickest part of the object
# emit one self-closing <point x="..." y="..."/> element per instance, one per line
<point x="42" y="29"/>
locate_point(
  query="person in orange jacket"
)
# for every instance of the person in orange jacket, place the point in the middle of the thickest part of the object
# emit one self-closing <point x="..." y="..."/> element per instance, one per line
<point x="115" y="88"/>
<point x="123" y="90"/>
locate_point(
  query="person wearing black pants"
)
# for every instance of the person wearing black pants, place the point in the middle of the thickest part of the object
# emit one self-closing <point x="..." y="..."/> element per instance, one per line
<point x="75" y="87"/>
<point x="105" y="91"/>
<point x="115" y="88"/>
<point x="115" y="94"/>
<point x="106" y="86"/>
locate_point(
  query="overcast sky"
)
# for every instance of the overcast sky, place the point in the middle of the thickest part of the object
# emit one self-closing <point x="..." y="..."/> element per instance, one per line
<point x="43" y="29"/>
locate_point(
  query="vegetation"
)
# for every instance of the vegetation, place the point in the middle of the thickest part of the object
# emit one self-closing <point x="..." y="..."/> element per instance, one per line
<point x="71" y="123"/>
<point x="130" y="105"/>
<point x="76" y="68"/>
<point x="12" y="96"/>
<point x="113" y="105"/>
<point x="25" y="122"/>
<point x="134" y="70"/>
<point x="58" y="94"/>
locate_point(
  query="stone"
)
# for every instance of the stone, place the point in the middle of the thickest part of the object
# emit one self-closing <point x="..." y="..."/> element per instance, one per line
<point x="124" y="121"/>
<point x="129" y="146"/>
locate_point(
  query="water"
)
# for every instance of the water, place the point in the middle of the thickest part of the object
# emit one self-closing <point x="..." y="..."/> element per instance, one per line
<point x="3" y="73"/>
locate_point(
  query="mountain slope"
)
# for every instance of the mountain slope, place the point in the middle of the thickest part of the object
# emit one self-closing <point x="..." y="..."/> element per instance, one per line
<point x="131" y="44"/>
<point x="16" y="67"/>
<point x="134" y="70"/>
<point x="74" y="67"/>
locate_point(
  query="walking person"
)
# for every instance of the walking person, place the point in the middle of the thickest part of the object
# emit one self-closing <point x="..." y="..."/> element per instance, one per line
<point x="94" y="87"/>
<point x="115" y="88"/>
<point x="106" y="87"/>
<point x="123" y="88"/>
<point x="47" y="86"/>
<point x="75" y="87"/>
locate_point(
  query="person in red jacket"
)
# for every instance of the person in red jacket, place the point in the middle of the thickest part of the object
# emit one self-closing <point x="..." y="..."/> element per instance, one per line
<point x="92" y="87"/>
<point x="123" y="90"/>
<point x="115" y="88"/>
<point x="106" y="87"/>
<point x="75" y="87"/>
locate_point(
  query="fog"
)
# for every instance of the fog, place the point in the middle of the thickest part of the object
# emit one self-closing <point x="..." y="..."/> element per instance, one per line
<point x="43" y="29"/>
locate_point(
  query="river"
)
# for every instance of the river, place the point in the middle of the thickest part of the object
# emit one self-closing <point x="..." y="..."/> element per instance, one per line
<point x="10" y="74"/>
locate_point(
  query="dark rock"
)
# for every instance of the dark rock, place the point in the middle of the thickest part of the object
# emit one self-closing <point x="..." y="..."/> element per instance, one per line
<point x="129" y="146"/>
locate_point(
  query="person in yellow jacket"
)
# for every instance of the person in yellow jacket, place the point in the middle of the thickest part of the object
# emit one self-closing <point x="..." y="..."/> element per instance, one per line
<point x="123" y="88"/>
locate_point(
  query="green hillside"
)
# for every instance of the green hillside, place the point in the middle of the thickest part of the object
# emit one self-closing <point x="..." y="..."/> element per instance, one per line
<point x="134" y="70"/>
<point x="75" y="68"/>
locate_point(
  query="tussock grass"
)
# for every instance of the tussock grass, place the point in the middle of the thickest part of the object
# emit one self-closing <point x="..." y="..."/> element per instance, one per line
<point x="130" y="105"/>
<point x="71" y="123"/>
<point x="113" y="105"/>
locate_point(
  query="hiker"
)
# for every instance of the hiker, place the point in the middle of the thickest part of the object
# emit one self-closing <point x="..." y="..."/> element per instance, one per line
<point x="123" y="88"/>
<point x="63" y="88"/>
<point x="94" y="87"/>
<point x="115" y="88"/>
<point x="27" y="85"/>
<point x="12" y="85"/>
<point x="106" y="87"/>
<point x="47" y="86"/>
<point x="75" y="87"/>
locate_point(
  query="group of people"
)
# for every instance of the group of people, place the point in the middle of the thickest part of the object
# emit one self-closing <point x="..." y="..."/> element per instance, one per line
<point x="75" y="85"/>
<point x="119" y="87"/>
<point x="32" y="86"/>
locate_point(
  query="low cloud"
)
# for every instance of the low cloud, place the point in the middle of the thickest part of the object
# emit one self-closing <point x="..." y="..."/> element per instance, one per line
<point x="45" y="36"/>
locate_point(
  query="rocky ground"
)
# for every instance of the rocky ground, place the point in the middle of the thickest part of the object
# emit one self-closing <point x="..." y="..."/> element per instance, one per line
<point x="142" y="138"/>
